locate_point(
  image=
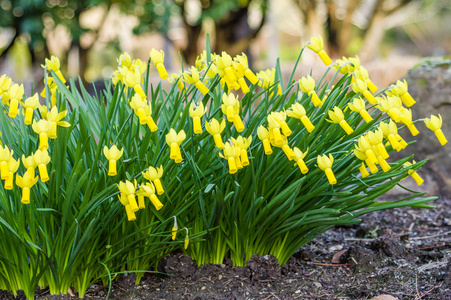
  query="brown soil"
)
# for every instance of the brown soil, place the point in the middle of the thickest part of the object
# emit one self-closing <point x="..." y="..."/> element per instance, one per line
<point x="404" y="253"/>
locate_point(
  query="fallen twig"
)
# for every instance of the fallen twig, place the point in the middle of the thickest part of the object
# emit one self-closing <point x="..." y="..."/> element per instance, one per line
<point x="331" y="265"/>
<point x="435" y="287"/>
<point x="430" y="236"/>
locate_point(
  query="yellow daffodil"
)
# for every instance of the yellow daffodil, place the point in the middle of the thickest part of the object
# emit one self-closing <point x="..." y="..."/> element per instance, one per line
<point x="186" y="242"/>
<point x="325" y="164"/>
<point x="54" y="64"/>
<point x="316" y="44"/>
<point x="128" y="190"/>
<point x="392" y="106"/>
<point x="376" y="138"/>
<point x="274" y="129"/>
<point x="5" y="155"/>
<point x="5" y="85"/>
<point x="406" y="118"/>
<point x="28" y="106"/>
<point x="363" y="170"/>
<point x="29" y="163"/>
<point x="362" y="73"/>
<point x="390" y="132"/>
<point x="42" y="128"/>
<point x="174" y="139"/>
<point x="307" y="85"/>
<point x="224" y="63"/>
<point x="358" y="105"/>
<point x="299" y="158"/>
<point x="215" y="129"/>
<point x="365" y="147"/>
<point x="337" y="116"/>
<point x="154" y="176"/>
<point x="286" y="149"/>
<point x="42" y="158"/>
<point x="128" y="208"/>
<point x="177" y="79"/>
<point x="144" y="112"/>
<point x="157" y="58"/>
<point x="360" y="86"/>
<point x="113" y="154"/>
<point x="435" y="124"/>
<point x="15" y="94"/>
<point x="360" y="154"/>
<point x="267" y="79"/>
<point x="400" y="89"/>
<point x="133" y="80"/>
<point x="242" y="144"/>
<point x="13" y="165"/>
<point x="243" y="66"/>
<point x="413" y="173"/>
<point x="54" y="118"/>
<point x="239" y="73"/>
<point x="280" y="118"/>
<point x="192" y="76"/>
<point x="196" y="114"/>
<point x="53" y="87"/>
<point x="26" y="183"/>
<point x="148" y="190"/>
<point x="229" y="155"/>
<point x="297" y="111"/>
<point x="264" y="136"/>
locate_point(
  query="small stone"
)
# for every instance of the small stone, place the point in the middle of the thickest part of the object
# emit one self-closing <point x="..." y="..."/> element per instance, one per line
<point x="219" y="277"/>
<point x="335" y="248"/>
<point x="317" y="284"/>
<point x="384" y="297"/>
<point x="298" y="292"/>
<point x="223" y="266"/>
<point x="203" y="288"/>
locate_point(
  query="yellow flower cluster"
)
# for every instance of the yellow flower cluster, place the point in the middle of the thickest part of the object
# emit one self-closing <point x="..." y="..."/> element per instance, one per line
<point x="129" y="191"/>
<point x="46" y="128"/>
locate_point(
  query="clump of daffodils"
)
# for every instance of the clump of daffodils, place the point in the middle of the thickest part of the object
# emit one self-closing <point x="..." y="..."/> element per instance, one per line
<point x="277" y="164"/>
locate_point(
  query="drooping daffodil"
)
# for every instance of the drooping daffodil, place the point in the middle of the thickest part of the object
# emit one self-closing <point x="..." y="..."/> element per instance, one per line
<point x="174" y="140"/>
<point x="113" y="154"/>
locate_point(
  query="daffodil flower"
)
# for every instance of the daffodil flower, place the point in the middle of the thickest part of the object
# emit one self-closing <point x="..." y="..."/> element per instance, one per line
<point x="128" y="208"/>
<point x="113" y="154"/>
<point x="363" y="170"/>
<point x="42" y="128"/>
<point x="5" y="155"/>
<point x="337" y="116"/>
<point x="54" y="118"/>
<point x="365" y="146"/>
<point x="29" y="163"/>
<point x="280" y="118"/>
<point x="264" y="136"/>
<point x="15" y="95"/>
<point x="362" y="73"/>
<point x="5" y="85"/>
<point x="224" y="63"/>
<point x="215" y="129"/>
<point x="176" y="78"/>
<point x="54" y="64"/>
<point x="231" y="107"/>
<point x="148" y="190"/>
<point x="243" y="66"/>
<point x="346" y="66"/>
<point x="400" y="89"/>
<point x="435" y="124"/>
<point x="307" y="85"/>
<point x="392" y="106"/>
<point x="26" y="183"/>
<point x="358" y="105"/>
<point x="174" y="139"/>
<point x="297" y="111"/>
<point x="316" y="44"/>
<point x="242" y="144"/>
<point x="13" y="165"/>
<point x="28" y="107"/>
<point x="157" y="58"/>
<point x="360" y="86"/>
<point x="128" y="189"/>
<point x="229" y="155"/>
<point x="239" y="73"/>
<point x="133" y="80"/>
<point x="42" y="158"/>
<point x="154" y="175"/>
<point x="360" y="154"/>
<point x="413" y="173"/>
<point x="286" y="149"/>
<point x="274" y="129"/>
<point x="196" y="114"/>
<point x="52" y="86"/>
<point x="325" y="164"/>
<point x="186" y="242"/>
<point x="193" y="78"/>
<point x="376" y="138"/>
<point x="390" y="132"/>
<point x="406" y="118"/>
<point x="175" y="228"/>
<point x="299" y="158"/>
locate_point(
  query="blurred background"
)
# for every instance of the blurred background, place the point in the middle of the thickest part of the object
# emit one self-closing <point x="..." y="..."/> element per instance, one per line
<point x="89" y="35"/>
